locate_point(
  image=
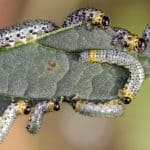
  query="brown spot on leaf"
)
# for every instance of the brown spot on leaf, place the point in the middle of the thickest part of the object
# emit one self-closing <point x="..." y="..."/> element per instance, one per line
<point x="51" y="65"/>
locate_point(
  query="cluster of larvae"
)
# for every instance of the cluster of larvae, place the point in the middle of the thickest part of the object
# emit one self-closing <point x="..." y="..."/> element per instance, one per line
<point x="91" y="18"/>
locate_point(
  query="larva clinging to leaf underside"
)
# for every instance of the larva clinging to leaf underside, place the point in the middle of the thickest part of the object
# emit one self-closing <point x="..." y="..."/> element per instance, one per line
<point x="136" y="78"/>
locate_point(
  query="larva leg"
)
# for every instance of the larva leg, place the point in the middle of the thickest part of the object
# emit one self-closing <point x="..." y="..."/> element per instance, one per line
<point x="112" y="108"/>
<point x="11" y="44"/>
<point x="136" y="78"/>
<point x="40" y="109"/>
<point x="88" y="26"/>
<point x="9" y="116"/>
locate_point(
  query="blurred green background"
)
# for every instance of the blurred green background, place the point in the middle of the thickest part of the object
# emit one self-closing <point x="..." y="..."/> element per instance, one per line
<point x="66" y="129"/>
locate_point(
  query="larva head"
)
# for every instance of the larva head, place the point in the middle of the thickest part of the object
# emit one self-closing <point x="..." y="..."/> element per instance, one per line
<point x="141" y="45"/>
<point x="101" y="20"/>
<point x="133" y="42"/>
<point x="56" y="106"/>
<point x="126" y="96"/>
<point x="53" y="106"/>
<point x="73" y="104"/>
<point x="126" y="100"/>
<point x="23" y="108"/>
<point x="105" y="21"/>
<point x="27" y="110"/>
<point x="77" y="104"/>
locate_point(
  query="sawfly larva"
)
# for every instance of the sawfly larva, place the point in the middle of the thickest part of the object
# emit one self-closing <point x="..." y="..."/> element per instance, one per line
<point x="25" y="31"/>
<point x="136" y="78"/>
<point x="9" y="116"/>
<point x="35" y="120"/>
<point x="89" y="16"/>
<point x="113" y="108"/>
<point x="130" y="41"/>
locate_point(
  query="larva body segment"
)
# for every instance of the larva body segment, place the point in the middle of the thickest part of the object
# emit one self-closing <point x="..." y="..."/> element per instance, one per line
<point x="35" y="120"/>
<point x="34" y="123"/>
<point x="9" y="116"/>
<point x="89" y="16"/>
<point x="146" y="34"/>
<point x="7" y="120"/>
<point x="122" y="59"/>
<point x="130" y="41"/>
<point x="25" y="31"/>
<point x="110" y="109"/>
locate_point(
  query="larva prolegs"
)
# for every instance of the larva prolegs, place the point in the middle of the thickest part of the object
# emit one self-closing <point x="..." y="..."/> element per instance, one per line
<point x="35" y="120"/>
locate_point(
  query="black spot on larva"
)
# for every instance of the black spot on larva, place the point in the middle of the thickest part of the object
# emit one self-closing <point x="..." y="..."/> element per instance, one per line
<point x="31" y="31"/>
<point x="18" y="35"/>
<point x="7" y="38"/>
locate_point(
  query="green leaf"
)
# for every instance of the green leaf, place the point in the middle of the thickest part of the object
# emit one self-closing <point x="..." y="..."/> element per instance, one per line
<point x="49" y="68"/>
<point x="78" y="39"/>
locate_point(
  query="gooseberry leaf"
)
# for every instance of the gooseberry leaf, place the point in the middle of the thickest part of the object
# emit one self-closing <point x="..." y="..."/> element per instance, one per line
<point x="48" y="68"/>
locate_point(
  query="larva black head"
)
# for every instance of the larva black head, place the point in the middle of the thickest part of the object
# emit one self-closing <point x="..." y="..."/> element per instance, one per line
<point x="105" y="21"/>
<point x="73" y="103"/>
<point x="141" y="45"/>
<point x="126" y="100"/>
<point x="27" y="110"/>
<point x="56" y="106"/>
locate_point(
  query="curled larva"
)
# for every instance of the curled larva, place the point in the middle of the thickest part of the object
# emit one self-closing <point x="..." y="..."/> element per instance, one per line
<point x="27" y="30"/>
<point x="35" y="120"/>
<point x="9" y="116"/>
<point x="90" y="16"/>
<point x="113" y="108"/>
<point x="130" y="41"/>
<point x="122" y="59"/>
